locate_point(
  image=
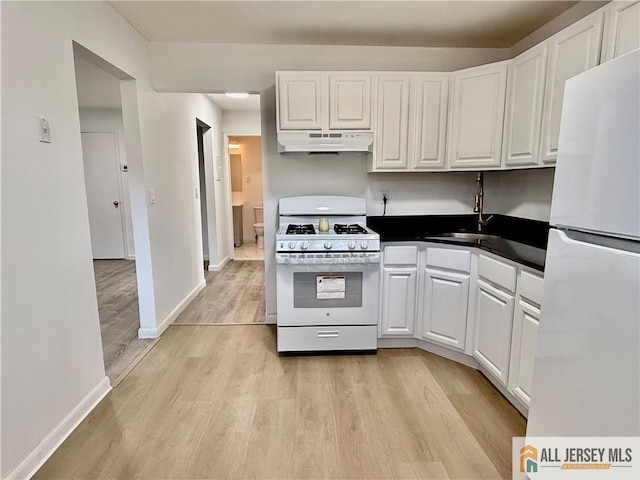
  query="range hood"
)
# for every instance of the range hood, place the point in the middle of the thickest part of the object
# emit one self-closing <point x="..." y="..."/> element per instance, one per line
<point x="325" y="142"/>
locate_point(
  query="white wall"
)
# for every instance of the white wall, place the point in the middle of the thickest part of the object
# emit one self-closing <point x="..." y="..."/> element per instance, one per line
<point x="110" y="120"/>
<point x="96" y="88"/>
<point x="520" y="193"/>
<point x="52" y="367"/>
<point x="181" y="67"/>
<point x="167" y="122"/>
<point x="241" y="123"/>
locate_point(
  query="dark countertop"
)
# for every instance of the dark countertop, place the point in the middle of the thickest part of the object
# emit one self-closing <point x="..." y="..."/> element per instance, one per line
<point x="522" y="240"/>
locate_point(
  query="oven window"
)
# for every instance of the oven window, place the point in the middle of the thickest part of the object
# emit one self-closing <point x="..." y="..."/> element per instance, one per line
<point x="342" y="289"/>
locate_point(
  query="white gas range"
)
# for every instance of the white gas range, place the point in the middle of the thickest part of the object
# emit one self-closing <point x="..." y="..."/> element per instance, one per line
<point x="327" y="268"/>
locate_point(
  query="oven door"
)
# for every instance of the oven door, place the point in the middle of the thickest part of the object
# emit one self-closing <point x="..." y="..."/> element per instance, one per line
<point x="327" y="294"/>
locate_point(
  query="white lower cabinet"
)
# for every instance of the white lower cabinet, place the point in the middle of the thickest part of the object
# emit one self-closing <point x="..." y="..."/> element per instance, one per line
<point x="492" y="339"/>
<point x="398" y="291"/>
<point x="526" y="318"/>
<point x="398" y="300"/>
<point x="471" y="302"/>
<point x="444" y="307"/>
<point x="523" y="350"/>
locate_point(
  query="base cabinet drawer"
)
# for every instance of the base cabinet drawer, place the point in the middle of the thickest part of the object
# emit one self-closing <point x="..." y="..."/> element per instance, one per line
<point x="308" y="339"/>
<point x="497" y="272"/>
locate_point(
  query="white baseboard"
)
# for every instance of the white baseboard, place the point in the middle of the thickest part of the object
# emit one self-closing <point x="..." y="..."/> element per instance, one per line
<point x="131" y="257"/>
<point x="459" y="357"/>
<point x="515" y="401"/>
<point x="387" y="342"/>
<point x="271" y="318"/>
<point x="41" y="453"/>
<point x="219" y="266"/>
<point x="156" y="332"/>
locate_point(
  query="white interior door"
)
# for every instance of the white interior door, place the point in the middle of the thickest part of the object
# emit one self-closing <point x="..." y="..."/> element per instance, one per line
<point x="101" y="171"/>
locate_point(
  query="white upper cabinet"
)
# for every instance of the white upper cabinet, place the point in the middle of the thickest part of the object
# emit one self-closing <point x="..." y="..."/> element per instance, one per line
<point x="477" y="114"/>
<point x="349" y="102"/>
<point x="622" y="31"/>
<point x="571" y="51"/>
<point x="525" y="94"/>
<point x="430" y="99"/>
<point x="324" y="100"/>
<point x="300" y="101"/>
<point x="391" y="130"/>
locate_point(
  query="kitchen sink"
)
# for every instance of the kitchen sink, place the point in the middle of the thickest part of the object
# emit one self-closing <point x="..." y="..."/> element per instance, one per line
<point x="466" y="236"/>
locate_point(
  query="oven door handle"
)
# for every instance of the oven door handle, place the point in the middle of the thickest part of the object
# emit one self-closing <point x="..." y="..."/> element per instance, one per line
<point x="328" y="333"/>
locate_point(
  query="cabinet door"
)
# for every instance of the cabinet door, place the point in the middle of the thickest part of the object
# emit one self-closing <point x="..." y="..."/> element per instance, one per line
<point x="523" y="350"/>
<point x="300" y="101"/>
<point x="477" y="115"/>
<point x="571" y="51"/>
<point x="392" y="122"/>
<point x="349" y="102"/>
<point x="622" y="33"/>
<point x="524" y="108"/>
<point x="492" y="339"/>
<point x="430" y="98"/>
<point x="444" y="308"/>
<point x="398" y="301"/>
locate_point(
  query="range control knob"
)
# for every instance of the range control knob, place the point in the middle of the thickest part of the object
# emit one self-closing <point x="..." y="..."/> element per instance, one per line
<point x="292" y="245"/>
<point x="327" y="245"/>
<point x="364" y="244"/>
<point x="352" y="244"/>
<point x="304" y="245"/>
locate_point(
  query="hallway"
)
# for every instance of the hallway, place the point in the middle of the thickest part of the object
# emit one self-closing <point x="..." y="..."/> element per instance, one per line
<point x="233" y="295"/>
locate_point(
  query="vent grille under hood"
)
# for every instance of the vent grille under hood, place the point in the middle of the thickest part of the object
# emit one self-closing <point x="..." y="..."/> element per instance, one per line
<point x="321" y="142"/>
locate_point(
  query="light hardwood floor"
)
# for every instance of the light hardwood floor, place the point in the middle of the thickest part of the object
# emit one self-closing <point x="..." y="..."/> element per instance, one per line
<point x="119" y="317"/>
<point x="248" y="251"/>
<point x="233" y="295"/>
<point x="218" y="402"/>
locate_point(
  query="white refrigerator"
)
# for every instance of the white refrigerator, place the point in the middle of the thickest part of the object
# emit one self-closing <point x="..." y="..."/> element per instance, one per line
<point x="586" y="379"/>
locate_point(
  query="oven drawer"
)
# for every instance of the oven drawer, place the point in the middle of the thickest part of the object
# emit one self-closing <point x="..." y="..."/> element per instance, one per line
<point x="305" y="339"/>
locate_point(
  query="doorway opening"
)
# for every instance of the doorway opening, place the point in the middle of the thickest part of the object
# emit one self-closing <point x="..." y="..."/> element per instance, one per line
<point x="111" y="225"/>
<point x="201" y="129"/>
<point x="245" y="165"/>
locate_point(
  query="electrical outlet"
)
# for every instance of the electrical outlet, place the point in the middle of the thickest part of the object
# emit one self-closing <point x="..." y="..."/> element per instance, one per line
<point x="384" y="194"/>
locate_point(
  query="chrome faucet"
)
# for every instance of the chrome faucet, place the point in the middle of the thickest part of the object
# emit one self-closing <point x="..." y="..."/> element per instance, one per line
<point x="478" y="208"/>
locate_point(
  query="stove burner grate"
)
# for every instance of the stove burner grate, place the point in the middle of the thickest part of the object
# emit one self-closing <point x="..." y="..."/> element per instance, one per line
<point x="348" y="229"/>
<point x="305" y="229"/>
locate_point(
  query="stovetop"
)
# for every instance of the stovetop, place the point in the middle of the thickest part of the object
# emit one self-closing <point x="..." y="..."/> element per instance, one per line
<point x="338" y="229"/>
<point x="304" y="229"/>
<point x="341" y="237"/>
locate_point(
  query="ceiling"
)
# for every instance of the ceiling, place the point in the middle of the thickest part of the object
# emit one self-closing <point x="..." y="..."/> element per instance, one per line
<point x="481" y="23"/>
<point x="250" y="104"/>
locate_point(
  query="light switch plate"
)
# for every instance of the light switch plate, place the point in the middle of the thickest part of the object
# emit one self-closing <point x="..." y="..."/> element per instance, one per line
<point x="152" y="196"/>
<point x="44" y="133"/>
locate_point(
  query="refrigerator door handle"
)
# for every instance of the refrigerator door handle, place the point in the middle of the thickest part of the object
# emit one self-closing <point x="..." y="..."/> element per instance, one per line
<point x="577" y="237"/>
